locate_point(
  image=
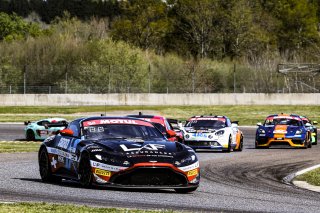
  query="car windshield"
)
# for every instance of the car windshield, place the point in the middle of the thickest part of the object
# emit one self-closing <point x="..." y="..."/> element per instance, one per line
<point x="160" y="127"/>
<point x="214" y="124"/>
<point x="122" y="131"/>
<point x="282" y="121"/>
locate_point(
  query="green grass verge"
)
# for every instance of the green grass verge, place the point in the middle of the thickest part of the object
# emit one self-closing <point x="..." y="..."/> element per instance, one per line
<point x="247" y="115"/>
<point x="57" y="208"/>
<point x="10" y="146"/>
<point x="312" y="177"/>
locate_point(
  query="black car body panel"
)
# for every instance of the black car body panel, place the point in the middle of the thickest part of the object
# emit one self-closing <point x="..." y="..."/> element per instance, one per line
<point x="149" y="161"/>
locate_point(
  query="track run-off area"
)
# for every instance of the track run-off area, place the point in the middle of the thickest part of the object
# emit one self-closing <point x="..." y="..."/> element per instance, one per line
<point x="247" y="181"/>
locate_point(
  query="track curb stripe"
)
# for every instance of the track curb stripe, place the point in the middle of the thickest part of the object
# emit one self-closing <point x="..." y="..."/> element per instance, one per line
<point x="302" y="184"/>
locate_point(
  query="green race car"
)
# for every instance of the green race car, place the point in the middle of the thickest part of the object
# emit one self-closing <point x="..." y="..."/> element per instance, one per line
<point x="312" y="128"/>
<point x="40" y="130"/>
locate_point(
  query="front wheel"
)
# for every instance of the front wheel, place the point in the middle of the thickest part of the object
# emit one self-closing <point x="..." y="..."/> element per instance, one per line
<point x="85" y="174"/>
<point x="229" y="145"/>
<point x="45" y="168"/>
<point x="309" y="143"/>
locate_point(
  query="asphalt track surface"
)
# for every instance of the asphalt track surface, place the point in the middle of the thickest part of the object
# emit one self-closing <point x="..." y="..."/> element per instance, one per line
<point x="247" y="181"/>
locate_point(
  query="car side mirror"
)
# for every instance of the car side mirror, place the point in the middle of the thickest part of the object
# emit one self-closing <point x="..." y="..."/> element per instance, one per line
<point x="171" y="133"/>
<point x="315" y="122"/>
<point x="308" y="124"/>
<point x="259" y="124"/>
<point x="66" y="132"/>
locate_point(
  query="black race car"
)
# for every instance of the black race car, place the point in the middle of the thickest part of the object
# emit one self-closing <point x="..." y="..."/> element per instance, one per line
<point x="118" y="152"/>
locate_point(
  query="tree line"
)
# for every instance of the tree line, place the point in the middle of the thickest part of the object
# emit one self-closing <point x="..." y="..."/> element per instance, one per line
<point x="184" y="45"/>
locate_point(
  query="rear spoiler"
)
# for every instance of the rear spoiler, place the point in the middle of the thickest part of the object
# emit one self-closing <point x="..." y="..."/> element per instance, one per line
<point x="58" y="124"/>
<point x="171" y="120"/>
<point x="27" y="123"/>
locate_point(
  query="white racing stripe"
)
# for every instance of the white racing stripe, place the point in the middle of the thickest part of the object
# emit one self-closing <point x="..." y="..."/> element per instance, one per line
<point x="190" y="167"/>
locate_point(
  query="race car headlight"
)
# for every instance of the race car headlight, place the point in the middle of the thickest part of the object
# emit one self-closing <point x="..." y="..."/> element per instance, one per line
<point x="188" y="160"/>
<point x="220" y="133"/>
<point x="112" y="160"/>
<point x="262" y="131"/>
<point x="298" y="132"/>
<point x="99" y="157"/>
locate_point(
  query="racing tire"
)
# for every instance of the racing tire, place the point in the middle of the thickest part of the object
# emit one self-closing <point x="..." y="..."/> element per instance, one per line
<point x="229" y="145"/>
<point x="30" y="135"/>
<point x="184" y="191"/>
<point x="309" y="143"/>
<point x="45" y="168"/>
<point x="85" y="173"/>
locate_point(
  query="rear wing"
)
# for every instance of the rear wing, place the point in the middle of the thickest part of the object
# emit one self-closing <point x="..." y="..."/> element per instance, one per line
<point x="27" y="123"/>
<point x="58" y="124"/>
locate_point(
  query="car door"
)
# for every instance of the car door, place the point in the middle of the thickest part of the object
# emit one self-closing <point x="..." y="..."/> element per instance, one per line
<point x="67" y="146"/>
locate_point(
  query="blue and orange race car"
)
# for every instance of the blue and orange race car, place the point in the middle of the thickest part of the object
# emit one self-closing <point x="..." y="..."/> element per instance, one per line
<point x="283" y="129"/>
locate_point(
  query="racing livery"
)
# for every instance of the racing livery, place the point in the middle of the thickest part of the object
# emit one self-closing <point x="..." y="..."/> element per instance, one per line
<point x="283" y="129"/>
<point x="118" y="152"/>
<point x="161" y="123"/>
<point x="212" y="132"/>
<point x="40" y="130"/>
<point x="312" y="128"/>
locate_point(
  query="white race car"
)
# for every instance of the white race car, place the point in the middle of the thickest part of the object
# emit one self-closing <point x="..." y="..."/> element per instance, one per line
<point x="212" y="132"/>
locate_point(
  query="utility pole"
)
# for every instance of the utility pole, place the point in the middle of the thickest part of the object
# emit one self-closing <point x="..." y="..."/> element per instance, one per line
<point x="234" y="78"/>
<point x="149" y="68"/>
<point x="24" y="79"/>
<point x="66" y="86"/>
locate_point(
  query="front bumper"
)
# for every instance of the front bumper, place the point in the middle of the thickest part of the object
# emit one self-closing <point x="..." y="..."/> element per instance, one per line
<point x="214" y="145"/>
<point x="267" y="142"/>
<point x="149" y="176"/>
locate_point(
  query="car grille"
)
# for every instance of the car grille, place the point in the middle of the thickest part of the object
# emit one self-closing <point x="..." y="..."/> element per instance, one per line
<point x="150" y="177"/>
<point x="297" y="141"/>
<point x="201" y="143"/>
<point x="262" y="141"/>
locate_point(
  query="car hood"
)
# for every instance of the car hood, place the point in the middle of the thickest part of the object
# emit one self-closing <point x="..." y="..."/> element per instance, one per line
<point x="281" y="129"/>
<point x="145" y="151"/>
<point x="200" y="129"/>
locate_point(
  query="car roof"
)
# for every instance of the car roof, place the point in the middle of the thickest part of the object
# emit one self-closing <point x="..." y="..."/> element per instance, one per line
<point x="286" y="115"/>
<point x="209" y="116"/>
<point x="146" y="116"/>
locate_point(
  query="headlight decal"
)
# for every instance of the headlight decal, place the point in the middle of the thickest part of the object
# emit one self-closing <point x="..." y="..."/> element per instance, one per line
<point x="219" y="133"/>
<point x="190" y="167"/>
<point x="107" y="167"/>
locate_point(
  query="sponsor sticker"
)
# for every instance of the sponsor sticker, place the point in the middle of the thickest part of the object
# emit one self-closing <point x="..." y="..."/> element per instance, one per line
<point x="151" y="147"/>
<point x="64" y="143"/>
<point x="61" y="153"/>
<point x="115" y="121"/>
<point x="106" y="166"/>
<point x="102" y="172"/>
<point x="207" y="119"/>
<point x="192" y="173"/>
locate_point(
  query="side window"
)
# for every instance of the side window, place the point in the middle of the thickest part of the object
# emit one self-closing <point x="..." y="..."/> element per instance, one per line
<point x="228" y="122"/>
<point x="43" y="122"/>
<point x="75" y="128"/>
